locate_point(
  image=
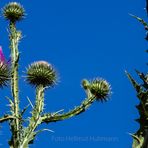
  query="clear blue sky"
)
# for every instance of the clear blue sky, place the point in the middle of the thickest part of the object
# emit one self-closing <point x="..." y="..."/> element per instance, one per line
<point x="82" y="39"/>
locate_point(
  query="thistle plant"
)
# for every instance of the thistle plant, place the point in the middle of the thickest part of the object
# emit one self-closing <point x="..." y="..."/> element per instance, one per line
<point x="140" y="137"/>
<point x="42" y="76"/>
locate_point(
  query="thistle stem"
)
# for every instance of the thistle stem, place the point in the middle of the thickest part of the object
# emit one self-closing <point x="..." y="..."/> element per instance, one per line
<point x="14" y="40"/>
<point x="47" y="118"/>
<point x="6" y="118"/>
<point x="35" y="120"/>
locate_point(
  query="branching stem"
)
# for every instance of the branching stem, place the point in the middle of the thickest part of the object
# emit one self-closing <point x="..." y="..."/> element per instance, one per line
<point x="35" y="120"/>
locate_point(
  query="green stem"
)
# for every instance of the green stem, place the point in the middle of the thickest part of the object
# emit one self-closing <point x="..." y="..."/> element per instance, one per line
<point x="6" y="118"/>
<point x="35" y="120"/>
<point x="47" y="118"/>
<point x="14" y="40"/>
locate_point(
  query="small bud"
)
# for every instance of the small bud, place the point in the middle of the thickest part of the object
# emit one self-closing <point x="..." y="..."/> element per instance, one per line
<point x="13" y="11"/>
<point x="41" y="73"/>
<point x="85" y="84"/>
<point x="100" y="89"/>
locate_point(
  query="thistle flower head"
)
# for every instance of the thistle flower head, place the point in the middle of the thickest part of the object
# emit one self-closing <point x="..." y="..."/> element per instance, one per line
<point x="41" y="73"/>
<point x="100" y="88"/>
<point x="13" y="11"/>
<point x="4" y="74"/>
<point x="4" y="70"/>
<point x="2" y="57"/>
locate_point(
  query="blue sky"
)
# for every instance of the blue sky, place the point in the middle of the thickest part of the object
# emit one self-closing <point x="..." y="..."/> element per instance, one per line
<point x="82" y="39"/>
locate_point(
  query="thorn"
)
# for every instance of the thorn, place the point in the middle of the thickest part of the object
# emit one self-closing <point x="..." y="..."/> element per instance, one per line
<point x="30" y="102"/>
<point x="57" y="112"/>
<point x="131" y="14"/>
<point x="49" y="130"/>
<point x="135" y="137"/>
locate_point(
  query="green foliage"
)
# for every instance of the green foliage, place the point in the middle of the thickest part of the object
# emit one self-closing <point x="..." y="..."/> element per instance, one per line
<point x="140" y="138"/>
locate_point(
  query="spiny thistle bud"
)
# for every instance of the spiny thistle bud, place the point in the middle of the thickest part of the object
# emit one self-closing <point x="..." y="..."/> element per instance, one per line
<point x="85" y="84"/>
<point x="100" y="89"/>
<point x="13" y="11"/>
<point x="41" y="73"/>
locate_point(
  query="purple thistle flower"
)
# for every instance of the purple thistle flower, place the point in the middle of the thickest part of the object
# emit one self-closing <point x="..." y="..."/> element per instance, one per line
<point x="2" y="57"/>
<point x="4" y="70"/>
